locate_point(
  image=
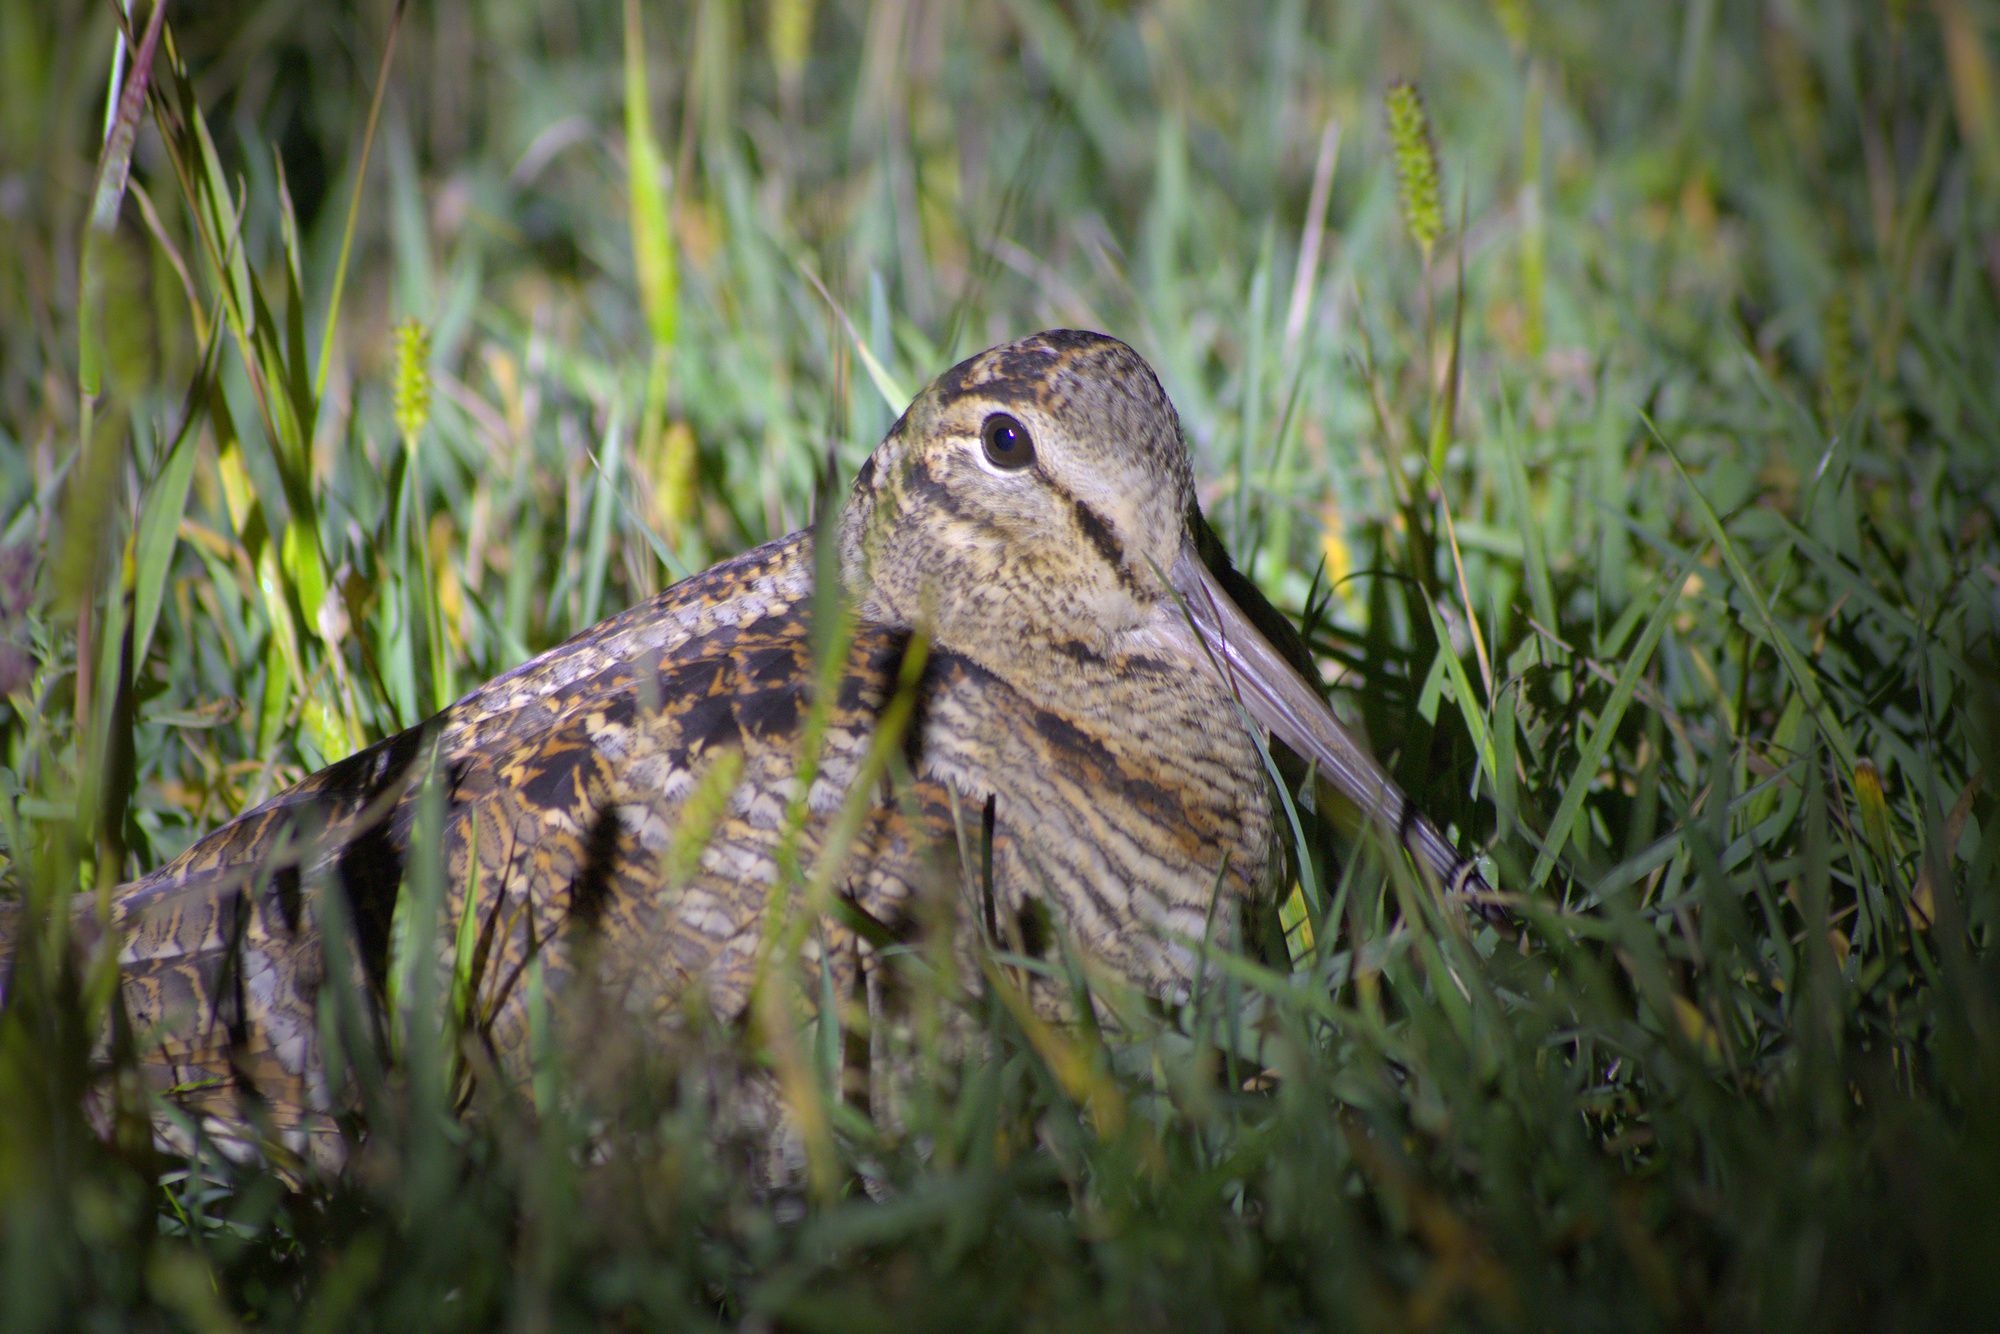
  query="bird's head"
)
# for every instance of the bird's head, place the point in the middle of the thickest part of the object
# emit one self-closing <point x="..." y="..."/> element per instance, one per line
<point x="1028" y="495"/>
<point x="1035" y="506"/>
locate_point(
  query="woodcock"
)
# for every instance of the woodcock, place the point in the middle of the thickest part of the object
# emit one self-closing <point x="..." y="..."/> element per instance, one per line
<point x="1023" y="565"/>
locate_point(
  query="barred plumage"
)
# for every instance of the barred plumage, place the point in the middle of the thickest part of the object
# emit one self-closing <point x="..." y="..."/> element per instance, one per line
<point x="1083" y="653"/>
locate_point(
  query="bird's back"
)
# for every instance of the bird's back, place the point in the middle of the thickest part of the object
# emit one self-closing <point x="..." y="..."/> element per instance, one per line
<point x="565" y="823"/>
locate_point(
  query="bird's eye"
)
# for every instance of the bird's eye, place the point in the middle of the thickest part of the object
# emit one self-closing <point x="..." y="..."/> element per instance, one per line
<point x="1007" y="443"/>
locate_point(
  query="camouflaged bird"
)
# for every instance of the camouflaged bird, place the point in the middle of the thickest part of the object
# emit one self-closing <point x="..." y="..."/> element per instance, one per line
<point x="1022" y="562"/>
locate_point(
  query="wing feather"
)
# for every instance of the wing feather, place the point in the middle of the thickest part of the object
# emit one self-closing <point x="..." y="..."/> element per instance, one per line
<point x="564" y="782"/>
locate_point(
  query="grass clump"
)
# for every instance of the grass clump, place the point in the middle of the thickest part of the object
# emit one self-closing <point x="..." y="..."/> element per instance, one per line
<point x="1670" y="581"/>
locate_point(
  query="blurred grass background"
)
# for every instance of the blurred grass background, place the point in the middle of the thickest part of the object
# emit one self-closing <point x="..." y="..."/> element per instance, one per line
<point x="1645" y="515"/>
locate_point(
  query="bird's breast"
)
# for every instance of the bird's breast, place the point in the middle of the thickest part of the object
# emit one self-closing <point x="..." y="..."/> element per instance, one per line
<point x="1129" y="806"/>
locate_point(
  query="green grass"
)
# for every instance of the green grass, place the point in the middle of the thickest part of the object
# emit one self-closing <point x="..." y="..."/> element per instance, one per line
<point x="1647" y="520"/>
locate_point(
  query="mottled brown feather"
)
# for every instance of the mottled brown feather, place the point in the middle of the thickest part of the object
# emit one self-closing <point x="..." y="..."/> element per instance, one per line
<point x="1108" y="774"/>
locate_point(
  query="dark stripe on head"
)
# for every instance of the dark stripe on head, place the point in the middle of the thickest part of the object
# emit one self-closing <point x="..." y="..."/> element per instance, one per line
<point x="1020" y="363"/>
<point x="954" y="381"/>
<point x="1019" y="371"/>
<point x="1099" y="532"/>
<point x="1071" y="340"/>
<point x="923" y="485"/>
<point x="1026" y="389"/>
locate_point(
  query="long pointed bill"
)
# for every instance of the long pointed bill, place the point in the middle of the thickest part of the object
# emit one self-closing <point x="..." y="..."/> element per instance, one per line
<point x="1258" y="675"/>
